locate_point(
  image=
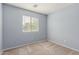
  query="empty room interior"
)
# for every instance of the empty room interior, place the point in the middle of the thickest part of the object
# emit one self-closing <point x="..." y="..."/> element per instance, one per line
<point x="39" y="28"/>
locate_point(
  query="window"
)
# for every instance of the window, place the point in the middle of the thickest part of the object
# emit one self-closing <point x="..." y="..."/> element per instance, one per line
<point x="30" y="24"/>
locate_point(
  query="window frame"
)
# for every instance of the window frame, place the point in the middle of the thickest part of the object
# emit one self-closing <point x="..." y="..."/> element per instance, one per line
<point x="31" y="19"/>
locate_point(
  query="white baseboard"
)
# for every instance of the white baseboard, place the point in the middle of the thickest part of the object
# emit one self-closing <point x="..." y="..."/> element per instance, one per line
<point x="1" y="51"/>
<point x="64" y="45"/>
<point x="23" y="45"/>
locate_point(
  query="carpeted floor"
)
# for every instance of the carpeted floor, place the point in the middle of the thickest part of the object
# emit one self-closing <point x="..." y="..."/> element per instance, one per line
<point x="42" y="48"/>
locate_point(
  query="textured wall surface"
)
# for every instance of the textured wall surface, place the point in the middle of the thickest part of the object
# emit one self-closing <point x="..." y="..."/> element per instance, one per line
<point x="0" y="26"/>
<point x="12" y="27"/>
<point x="63" y="26"/>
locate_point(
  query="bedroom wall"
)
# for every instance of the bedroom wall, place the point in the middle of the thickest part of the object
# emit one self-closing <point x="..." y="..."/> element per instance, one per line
<point x="0" y="26"/>
<point x="63" y="27"/>
<point x="12" y="27"/>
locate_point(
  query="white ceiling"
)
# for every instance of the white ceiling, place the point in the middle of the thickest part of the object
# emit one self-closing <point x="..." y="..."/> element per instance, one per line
<point x="44" y="8"/>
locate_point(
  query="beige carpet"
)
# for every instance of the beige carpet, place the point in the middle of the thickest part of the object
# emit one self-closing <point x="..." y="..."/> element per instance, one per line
<point x="42" y="48"/>
<point x="0" y="52"/>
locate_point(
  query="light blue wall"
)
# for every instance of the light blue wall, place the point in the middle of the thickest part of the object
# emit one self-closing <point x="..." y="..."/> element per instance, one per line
<point x="0" y="26"/>
<point x="63" y="26"/>
<point x="12" y="27"/>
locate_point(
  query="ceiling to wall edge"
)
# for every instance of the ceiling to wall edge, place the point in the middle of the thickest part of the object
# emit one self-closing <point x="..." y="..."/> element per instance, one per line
<point x="34" y="11"/>
<point x="23" y="9"/>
